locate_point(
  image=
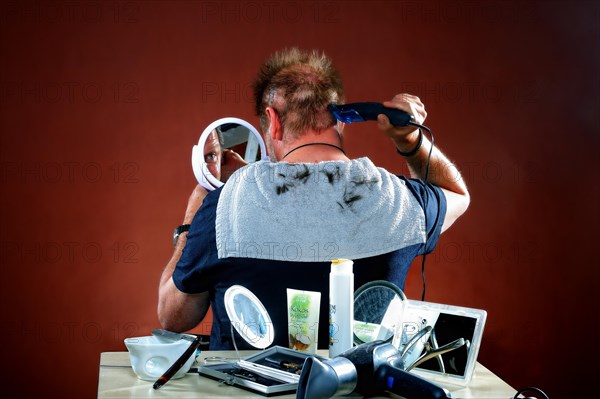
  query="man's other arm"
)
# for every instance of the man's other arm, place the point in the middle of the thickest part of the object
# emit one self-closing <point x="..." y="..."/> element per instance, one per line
<point x="442" y="172"/>
<point x="178" y="311"/>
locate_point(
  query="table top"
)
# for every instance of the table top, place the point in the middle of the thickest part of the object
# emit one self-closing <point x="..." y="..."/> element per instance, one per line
<point x="117" y="380"/>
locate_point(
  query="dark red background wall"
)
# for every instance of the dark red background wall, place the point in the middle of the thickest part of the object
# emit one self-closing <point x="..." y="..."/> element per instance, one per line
<point x="102" y="101"/>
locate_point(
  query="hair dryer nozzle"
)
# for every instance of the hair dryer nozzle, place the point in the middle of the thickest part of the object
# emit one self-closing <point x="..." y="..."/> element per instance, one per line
<point x="324" y="379"/>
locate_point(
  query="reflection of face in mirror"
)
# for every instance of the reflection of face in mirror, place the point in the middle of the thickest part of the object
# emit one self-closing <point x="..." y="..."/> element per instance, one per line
<point x="239" y="148"/>
<point x="213" y="153"/>
<point x="224" y="147"/>
<point x="378" y="311"/>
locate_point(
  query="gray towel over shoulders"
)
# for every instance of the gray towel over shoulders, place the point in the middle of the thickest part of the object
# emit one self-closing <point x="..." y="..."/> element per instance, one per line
<point x="316" y="212"/>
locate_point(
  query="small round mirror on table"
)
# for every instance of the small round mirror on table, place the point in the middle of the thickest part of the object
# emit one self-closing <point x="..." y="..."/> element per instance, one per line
<point x="226" y="145"/>
<point x="249" y="317"/>
<point x="378" y="311"/>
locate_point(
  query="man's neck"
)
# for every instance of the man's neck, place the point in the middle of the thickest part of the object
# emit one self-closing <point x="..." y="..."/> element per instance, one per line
<point x="314" y="147"/>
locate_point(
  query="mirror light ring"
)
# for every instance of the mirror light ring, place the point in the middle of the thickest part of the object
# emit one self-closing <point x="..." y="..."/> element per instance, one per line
<point x="374" y="284"/>
<point x="380" y="283"/>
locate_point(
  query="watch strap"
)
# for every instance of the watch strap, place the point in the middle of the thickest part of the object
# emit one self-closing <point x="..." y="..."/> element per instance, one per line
<point x="178" y="230"/>
<point x="182" y="228"/>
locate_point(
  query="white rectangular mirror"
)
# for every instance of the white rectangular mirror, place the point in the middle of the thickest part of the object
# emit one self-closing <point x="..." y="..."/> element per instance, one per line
<point x="449" y="323"/>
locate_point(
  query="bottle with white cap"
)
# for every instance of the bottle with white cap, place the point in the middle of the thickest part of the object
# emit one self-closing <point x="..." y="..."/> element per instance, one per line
<point x="341" y="306"/>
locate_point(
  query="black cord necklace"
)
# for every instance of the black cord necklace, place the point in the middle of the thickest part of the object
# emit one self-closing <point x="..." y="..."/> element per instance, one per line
<point x="307" y="144"/>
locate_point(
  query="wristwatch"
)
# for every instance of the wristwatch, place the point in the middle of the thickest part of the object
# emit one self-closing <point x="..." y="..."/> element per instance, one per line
<point x="178" y="231"/>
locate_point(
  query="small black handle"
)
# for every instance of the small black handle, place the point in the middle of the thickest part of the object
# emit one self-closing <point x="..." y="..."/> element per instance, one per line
<point x="163" y="379"/>
<point x="405" y="384"/>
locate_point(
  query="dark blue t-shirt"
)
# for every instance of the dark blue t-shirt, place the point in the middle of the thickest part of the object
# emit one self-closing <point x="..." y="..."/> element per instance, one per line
<point x="199" y="270"/>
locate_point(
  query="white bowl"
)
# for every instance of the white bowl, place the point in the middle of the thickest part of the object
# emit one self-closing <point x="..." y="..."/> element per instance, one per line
<point x="151" y="356"/>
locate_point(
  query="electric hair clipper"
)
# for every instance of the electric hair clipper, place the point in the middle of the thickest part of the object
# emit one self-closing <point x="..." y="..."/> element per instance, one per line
<point x="361" y="112"/>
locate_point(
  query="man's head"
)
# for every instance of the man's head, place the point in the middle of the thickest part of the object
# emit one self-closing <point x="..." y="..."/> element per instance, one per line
<point x="298" y="86"/>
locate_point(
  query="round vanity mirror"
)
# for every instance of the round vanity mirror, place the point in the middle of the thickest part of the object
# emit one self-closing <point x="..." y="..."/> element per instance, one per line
<point x="249" y="317"/>
<point x="378" y="311"/>
<point x="226" y="145"/>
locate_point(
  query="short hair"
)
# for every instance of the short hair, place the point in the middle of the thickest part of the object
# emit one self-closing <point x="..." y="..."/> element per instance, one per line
<point x="298" y="85"/>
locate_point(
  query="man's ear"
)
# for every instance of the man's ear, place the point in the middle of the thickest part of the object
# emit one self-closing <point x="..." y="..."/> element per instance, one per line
<point x="275" y="129"/>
